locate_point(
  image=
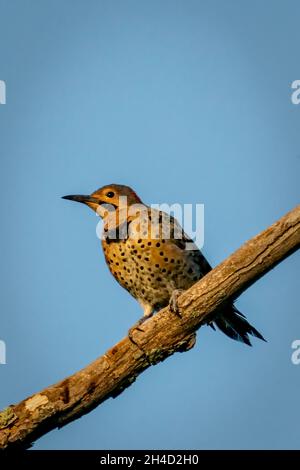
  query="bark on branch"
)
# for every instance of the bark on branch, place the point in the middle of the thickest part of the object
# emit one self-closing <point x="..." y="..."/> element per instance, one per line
<point x="162" y="335"/>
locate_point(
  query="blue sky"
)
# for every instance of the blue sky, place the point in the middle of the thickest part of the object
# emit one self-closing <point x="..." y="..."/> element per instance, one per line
<point x="185" y="101"/>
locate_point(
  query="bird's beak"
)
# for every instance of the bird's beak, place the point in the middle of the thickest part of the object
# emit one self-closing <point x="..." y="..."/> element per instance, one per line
<point x="85" y="199"/>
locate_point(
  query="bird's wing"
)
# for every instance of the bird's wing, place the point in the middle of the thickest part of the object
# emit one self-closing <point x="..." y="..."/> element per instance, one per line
<point x="179" y="245"/>
<point x="188" y="245"/>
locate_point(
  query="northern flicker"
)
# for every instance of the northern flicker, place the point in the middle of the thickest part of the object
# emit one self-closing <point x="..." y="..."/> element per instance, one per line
<point x="146" y="252"/>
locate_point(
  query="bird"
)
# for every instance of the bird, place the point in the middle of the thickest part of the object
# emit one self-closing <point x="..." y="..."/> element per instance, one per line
<point x="146" y="251"/>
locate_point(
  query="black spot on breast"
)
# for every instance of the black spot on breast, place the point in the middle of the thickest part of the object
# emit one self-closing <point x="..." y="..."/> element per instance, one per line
<point x="149" y="243"/>
<point x="166" y="259"/>
<point x="161" y="253"/>
<point x="158" y="244"/>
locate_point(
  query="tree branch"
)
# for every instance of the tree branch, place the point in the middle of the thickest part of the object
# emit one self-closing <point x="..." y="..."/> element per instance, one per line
<point x="162" y="335"/>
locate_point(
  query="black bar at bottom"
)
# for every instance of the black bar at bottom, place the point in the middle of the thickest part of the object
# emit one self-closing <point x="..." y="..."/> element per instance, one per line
<point x="137" y="458"/>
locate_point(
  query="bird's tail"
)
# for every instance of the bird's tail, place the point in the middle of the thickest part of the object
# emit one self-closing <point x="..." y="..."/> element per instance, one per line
<point x="234" y="324"/>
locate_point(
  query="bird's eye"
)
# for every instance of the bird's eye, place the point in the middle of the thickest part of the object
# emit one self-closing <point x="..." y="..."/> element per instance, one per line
<point x="110" y="194"/>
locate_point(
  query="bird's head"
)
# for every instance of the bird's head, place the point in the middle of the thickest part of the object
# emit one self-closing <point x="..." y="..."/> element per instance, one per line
<point x="108" y="198"/>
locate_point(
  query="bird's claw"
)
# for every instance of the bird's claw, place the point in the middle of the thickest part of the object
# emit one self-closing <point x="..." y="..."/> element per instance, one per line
<point x="173" y="302"/>
<point x="136" y="326"/>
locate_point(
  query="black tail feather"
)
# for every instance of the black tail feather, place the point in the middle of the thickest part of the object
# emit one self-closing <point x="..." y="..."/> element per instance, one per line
<point x="234" y="324"/>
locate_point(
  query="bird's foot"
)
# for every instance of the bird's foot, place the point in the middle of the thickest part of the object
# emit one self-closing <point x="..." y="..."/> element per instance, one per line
<point x="137" y="326"/>
<point x="173" y="302"/>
